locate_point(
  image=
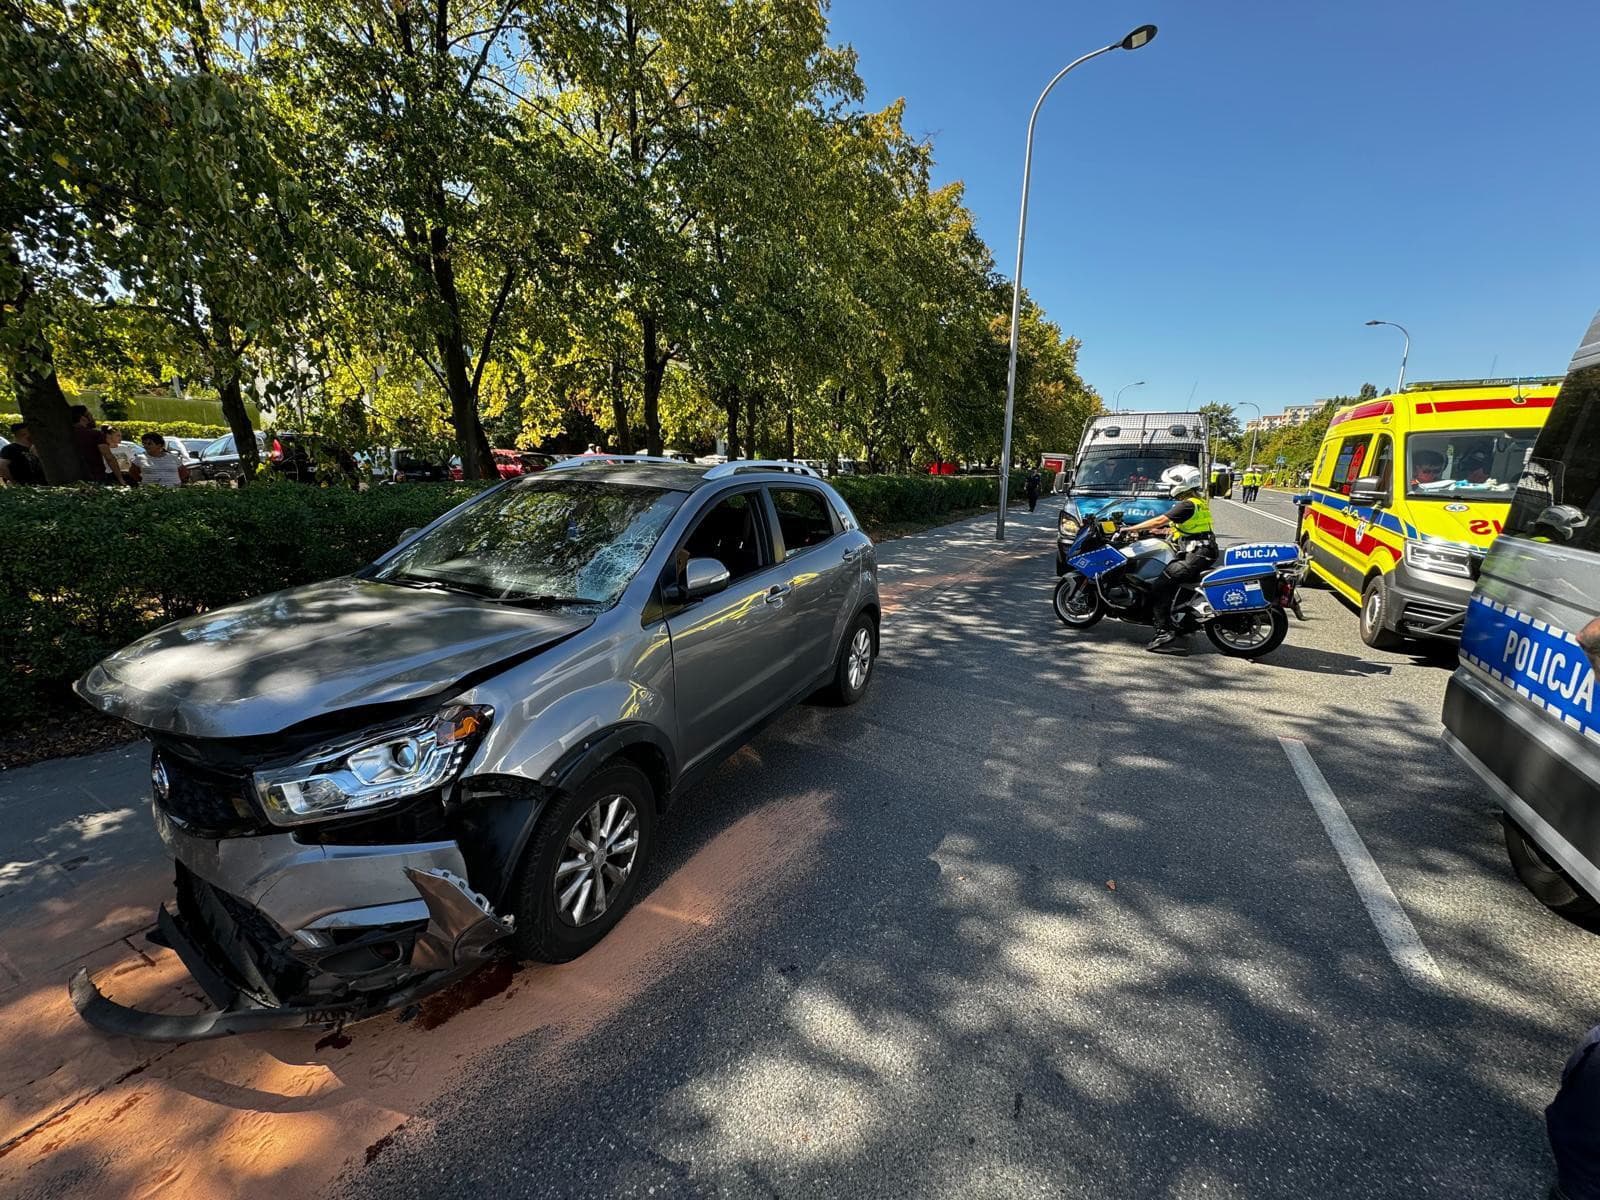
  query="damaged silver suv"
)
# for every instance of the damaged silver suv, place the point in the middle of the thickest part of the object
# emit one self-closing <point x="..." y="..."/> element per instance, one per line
<point x="370" y="784"/>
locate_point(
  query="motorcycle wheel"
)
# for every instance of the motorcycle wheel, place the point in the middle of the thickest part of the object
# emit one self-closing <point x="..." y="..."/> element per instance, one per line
<point x="1249" y="635"/>
<point x="1077" y="601"/>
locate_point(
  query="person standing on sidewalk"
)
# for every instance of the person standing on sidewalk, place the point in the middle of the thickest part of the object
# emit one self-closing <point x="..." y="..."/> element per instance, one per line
<point x="157" y="466"/>
<point x="97" y="462"/>
<point x="18" y="463"/>
<point x="1032" y="488"/>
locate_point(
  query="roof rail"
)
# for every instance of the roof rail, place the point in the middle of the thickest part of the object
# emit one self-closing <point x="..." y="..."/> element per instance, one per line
<point x="1444" y="385"/>
<point x="734" y="466"/>
<point x="591" y="460"/>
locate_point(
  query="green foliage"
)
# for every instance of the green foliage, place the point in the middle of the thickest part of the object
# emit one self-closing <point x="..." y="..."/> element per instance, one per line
<point x="134" y="428"/>
<point x="86" y="571"/>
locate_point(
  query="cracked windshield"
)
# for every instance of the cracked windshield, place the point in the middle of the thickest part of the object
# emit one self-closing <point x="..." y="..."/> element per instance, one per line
<point x="799" y="599"/>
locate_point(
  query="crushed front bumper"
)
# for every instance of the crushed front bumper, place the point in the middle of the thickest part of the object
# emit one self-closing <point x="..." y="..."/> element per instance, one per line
<point x="259" y="978"/>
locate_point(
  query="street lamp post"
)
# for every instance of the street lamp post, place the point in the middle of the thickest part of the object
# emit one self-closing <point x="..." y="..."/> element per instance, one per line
<point x="1116" y="401"/>
<point x="1404" y="354"/>
<point x="1139" y="37"/>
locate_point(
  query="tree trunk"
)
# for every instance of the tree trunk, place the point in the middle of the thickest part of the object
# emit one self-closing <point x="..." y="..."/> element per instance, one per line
<point x="471" y="443"/>
<point x="730" y="402"/>
<point x="754" y="448"/>
<point x="244" y="434"/>
<point x="33" y="375"/>
<point x="655" y="368"/>
<point x="623" y="438"/>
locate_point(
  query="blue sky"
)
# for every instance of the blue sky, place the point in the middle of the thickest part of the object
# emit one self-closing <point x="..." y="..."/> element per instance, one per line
<point x="1232" y="202"/>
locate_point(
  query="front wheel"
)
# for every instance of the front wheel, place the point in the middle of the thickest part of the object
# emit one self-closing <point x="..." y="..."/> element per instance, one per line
<point x="1375" y="615"/>
<point x="1077" y="601"/>
<point x="581" y="870"/>
<point x="1248" y="635"/>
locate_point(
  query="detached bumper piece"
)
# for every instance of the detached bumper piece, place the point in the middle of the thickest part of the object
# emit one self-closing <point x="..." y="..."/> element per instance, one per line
<point x="243" y="979"/>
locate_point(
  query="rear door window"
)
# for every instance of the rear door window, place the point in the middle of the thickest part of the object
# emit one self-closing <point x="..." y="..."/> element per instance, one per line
<point x="804" y="518"/>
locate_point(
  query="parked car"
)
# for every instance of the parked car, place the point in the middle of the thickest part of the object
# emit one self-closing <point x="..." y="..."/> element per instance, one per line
<point x="193" y="446"/>
<point x="408" y="467"/>
<point x="219" y="459"/>
<point x="509" y="463"/>
<point x="478" y="753"/>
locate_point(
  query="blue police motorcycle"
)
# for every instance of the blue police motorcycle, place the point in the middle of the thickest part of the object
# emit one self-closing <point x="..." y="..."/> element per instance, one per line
<point x="1240" y="603"/>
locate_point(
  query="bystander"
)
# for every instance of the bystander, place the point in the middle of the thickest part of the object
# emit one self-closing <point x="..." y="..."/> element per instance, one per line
<point x="156" y="466"/>
<point x="18" y="463"/>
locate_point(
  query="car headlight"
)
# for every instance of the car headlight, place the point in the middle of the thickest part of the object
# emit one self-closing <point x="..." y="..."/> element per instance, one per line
<point x="1441" y="559"/>
<point x="374" y="769"/>
<point x="1068" y="525"/>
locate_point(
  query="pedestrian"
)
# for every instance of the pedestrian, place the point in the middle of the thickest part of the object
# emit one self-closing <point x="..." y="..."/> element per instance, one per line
<point x="121" y="450"/>
<point x="1573" y="1124"/>
<point x="95" y="460"/>
<point x="156" y="466"/>
<point x="1032" y="488"/>
<point x="18" y="463"/>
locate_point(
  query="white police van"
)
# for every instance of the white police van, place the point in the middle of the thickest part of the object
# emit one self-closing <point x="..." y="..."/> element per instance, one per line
<point x="1520" y="709"/>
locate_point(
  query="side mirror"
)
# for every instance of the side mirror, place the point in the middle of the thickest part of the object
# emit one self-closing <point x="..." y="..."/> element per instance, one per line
<point x="1067" y="477"/>
<point x="702" y="577"/>
<point x="1369" y="489"/>
<point x="407" y="534"/>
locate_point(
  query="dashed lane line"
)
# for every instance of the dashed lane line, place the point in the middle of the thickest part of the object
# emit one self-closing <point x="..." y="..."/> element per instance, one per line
<point x="1394" y="927"/>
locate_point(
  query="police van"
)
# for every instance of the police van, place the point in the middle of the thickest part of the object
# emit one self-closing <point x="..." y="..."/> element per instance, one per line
<point x="1520" y="708"/>
<point x="1407" y="493"/>
<point x="1119" y="464"/>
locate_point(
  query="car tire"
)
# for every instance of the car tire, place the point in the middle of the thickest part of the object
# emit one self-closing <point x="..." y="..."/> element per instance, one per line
<point x="853" y="671"/>
<point x="1312" y="579"/>
<point x="1374" y="612"/>
<point x="1542" y="876"/>
<point x="554" y="922"/>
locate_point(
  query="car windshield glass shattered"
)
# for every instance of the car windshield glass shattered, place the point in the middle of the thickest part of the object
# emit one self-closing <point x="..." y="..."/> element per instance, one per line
<point x="1129" y="470"/>
<point x="1478" y="464"/>
<point x="565" y="542"/>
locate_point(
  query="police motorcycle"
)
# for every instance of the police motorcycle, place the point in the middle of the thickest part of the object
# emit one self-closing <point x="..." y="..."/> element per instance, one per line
<point x="1239" y="603"/>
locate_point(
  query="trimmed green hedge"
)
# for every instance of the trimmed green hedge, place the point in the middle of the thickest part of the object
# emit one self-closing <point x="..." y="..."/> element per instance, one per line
<point x="135" y="428"/>
<point x="86" y="570"/>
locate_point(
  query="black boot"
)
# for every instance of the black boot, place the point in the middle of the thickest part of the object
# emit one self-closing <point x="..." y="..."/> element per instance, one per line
<point x="1167" y="642"/>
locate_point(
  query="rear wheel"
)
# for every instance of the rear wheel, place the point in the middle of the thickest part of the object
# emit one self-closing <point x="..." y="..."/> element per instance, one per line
<point x="1249" y="635"/>
<point x="1077" y="601"/>
<point x="1375" y="615"/>
<point x="1543" y="876"/>
<point x="581" y="870"/>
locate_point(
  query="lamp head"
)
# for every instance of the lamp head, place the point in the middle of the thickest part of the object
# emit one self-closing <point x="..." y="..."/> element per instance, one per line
<point x="1139" y="37"/>
<point x="1377" y="322"/>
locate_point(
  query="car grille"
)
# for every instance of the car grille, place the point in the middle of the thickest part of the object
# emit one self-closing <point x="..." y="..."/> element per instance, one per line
<point x="1419" y="614"/>
<point x="201" y="801"/>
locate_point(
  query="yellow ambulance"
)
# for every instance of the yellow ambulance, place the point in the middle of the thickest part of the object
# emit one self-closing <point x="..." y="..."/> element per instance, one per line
<point x="1408" y="491"/>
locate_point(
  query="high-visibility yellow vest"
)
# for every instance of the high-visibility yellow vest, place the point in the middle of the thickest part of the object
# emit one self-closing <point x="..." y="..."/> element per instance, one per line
<point x="1199" y="522"/>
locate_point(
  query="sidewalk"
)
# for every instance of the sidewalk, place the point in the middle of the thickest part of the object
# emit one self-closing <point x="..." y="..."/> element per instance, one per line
<point x="81" y="875"/>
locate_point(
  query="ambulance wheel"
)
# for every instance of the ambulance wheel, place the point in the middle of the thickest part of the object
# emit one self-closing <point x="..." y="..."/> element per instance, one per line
<point x="1374" y="614"/>
<point x="1543" y="876"/>
<point x="1312" y="579"/>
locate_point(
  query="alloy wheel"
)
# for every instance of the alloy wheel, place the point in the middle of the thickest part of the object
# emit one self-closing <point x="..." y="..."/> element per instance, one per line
<point x="860" y="663"/>
<point x="596" y="860"/>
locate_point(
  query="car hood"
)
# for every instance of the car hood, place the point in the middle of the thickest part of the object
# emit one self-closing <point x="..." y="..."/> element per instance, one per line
<point x="275" y="661"/>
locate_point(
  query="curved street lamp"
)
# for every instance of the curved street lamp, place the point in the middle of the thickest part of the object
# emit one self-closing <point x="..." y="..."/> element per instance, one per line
<point x="1404" y="354"/>
<point x="1139" y="37"/>
<point x="1116" y="403"/>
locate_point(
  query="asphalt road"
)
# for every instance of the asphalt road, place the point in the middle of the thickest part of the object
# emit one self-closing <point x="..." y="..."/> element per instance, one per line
<point x="1047" y="915"/>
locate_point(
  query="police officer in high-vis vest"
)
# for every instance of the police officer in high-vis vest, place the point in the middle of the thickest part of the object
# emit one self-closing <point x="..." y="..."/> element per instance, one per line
<point x="1196" y="545"/>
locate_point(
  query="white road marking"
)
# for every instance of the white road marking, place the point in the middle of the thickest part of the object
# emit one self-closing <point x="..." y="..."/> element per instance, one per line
<point x="1394" y="927"/>
<point x="1260" y="512"/>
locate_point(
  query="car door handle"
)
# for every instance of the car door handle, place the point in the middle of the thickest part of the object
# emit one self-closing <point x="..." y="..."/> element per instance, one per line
<point x="777" y="592"/>
<point x="851" y="554"/>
